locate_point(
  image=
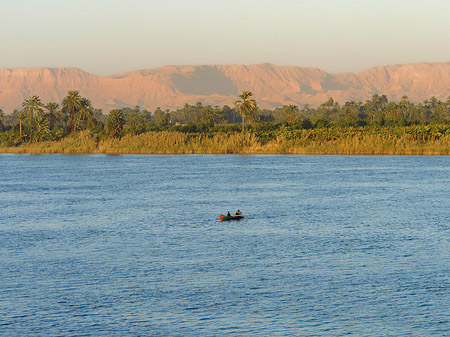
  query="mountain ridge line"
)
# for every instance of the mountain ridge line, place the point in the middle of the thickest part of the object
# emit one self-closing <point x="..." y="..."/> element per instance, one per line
<point x="172" y="86"/>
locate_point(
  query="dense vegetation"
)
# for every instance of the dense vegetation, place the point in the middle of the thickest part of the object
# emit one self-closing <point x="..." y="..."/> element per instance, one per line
<point x="376" y="126"/>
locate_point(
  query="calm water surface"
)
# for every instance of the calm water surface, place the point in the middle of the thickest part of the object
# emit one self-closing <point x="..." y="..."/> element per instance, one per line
<point x="132" y="246"/>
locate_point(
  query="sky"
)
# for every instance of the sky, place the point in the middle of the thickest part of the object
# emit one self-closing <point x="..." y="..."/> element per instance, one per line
<point x="108" y="37"/>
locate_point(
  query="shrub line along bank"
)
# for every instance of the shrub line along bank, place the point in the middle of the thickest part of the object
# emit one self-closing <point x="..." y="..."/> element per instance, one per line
<point x="376" y="126"/>
<point x="357" y="142"/>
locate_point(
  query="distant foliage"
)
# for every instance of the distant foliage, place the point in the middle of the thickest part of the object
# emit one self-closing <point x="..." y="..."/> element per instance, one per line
<point x="374" y="126"/>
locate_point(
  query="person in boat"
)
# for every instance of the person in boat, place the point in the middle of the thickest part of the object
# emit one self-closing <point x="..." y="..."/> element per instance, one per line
<point x="228" y="214"/>
<point x="238" y="212"/>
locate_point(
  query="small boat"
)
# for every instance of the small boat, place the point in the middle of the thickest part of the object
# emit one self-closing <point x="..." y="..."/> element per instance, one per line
<point x="231" y="217"/>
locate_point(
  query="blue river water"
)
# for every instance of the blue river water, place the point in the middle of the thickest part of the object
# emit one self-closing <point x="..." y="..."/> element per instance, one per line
<point x="98" y="245"/>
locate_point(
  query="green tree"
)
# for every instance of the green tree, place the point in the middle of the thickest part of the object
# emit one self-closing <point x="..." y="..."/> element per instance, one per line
<point x="306" y="111"/>
<point x="208" y="115"/>
<point x="437" y="109"/>
<point x="115" y="123"/>
<point x="53" y="113"/>
<point x="158" y="114"/>
<point x="352" y="114"/>
<point x="161" y="118"/>
<point x="245" y="105"/>
<point x="375" y="107"/>
<point x="254" y="116"/>
<point x="71" y="105"/>
<point x="135" y="120"/>
<point x="289" y="113"/>
<point x="406" y="110"/>
<point x="42" y="127"/>
<point x="330" y="109"/>
<point x="186" y="113"/>
<point x="197" y="110"/>
<point x="21" y="116"/>
<point x="85" y="113"/>
<point x="2" y="115"/>
<point x="32" y="105"/>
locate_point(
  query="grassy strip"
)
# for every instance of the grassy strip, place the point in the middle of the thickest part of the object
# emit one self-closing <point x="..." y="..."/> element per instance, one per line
<point x="182" y="143"/>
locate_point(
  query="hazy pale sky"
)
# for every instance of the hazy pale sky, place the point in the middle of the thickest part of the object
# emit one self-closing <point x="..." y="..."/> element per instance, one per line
<point x="108" y="37"/>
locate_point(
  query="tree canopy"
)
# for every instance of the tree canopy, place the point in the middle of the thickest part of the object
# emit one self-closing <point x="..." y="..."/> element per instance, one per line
<point x="54" y="121"/>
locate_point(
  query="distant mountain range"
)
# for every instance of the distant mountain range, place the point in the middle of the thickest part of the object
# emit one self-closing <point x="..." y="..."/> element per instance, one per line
<point x="173" y="86"/>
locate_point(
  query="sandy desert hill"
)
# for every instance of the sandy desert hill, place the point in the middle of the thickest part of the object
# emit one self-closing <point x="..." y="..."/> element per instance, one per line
<point x="173" y="86"/>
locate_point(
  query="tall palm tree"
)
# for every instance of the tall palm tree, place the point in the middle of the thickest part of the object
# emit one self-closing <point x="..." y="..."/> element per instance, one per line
<point x="72" y="105"/>
<point x="86" y="111"/>
<point x="20" y="115"/>
<point x="52" y="113"/>
<point x="32" y="105"/>
<point x="245" y="105"/>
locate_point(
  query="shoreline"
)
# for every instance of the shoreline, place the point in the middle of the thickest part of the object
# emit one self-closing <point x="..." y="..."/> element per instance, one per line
<point x="173" y="143"/>
<point x="223" y="154"/>
<point x="396" y="152"/>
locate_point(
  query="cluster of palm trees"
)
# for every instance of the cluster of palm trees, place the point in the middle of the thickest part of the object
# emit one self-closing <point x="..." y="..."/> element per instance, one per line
<point x="76" y="113"/>
<point x="75" y="109"/>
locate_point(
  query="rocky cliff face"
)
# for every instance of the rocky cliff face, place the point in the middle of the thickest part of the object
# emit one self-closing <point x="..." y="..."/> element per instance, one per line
<point x="173" y="86"/>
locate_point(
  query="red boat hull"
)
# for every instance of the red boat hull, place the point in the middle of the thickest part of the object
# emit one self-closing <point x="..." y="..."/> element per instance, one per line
<point x="232" y="217"/>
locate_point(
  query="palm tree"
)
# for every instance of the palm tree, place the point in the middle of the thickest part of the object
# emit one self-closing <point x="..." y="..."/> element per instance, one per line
<point x="208" y="115"/>
<point x="245" y="105"/>
<point x="290" y="112"/>
<point x="115" y="123"/>
<point x="86" y="111"/>
<point x="254" y="116"/>
<point x="52" y="113"/>
<point x="20" y="115"/>
<point x="42" y="127"/>
<point x="32" y="105"/>
<point x="72" y="105"/>
<point x="2" y="116"/>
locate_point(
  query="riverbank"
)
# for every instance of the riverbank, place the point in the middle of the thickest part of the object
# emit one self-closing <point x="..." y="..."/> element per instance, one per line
<point x="237" y="143"/>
